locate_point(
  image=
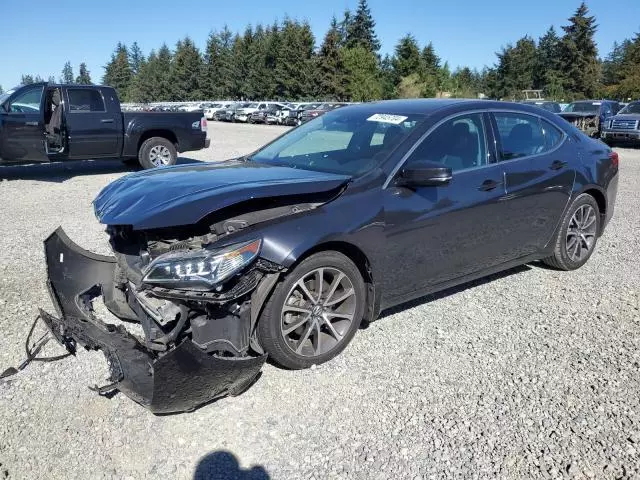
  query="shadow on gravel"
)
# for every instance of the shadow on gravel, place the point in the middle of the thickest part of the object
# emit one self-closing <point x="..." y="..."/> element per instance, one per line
<point x="58" y="172"/>
<point x="224" y="465"/>
<point x="453" y="290"/>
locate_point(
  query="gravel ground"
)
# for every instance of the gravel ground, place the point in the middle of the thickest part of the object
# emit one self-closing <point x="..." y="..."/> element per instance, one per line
<point x="533" y="374"/>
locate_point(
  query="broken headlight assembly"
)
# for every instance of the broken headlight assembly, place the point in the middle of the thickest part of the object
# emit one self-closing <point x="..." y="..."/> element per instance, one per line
<point x="200" y="269"/>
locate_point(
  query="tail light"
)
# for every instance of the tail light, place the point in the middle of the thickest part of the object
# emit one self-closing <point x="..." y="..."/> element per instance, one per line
<point x="615" y="159"/>
<point x="203" y="124"/>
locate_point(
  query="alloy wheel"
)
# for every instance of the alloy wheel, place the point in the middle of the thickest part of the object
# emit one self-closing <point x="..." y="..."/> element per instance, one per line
<point x="318" y="312"/>
<point x="159" y="155"/>
<point x="581" y="233"/>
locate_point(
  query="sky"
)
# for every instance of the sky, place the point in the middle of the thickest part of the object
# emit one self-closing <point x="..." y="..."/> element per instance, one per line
<point x="38" y="36"/>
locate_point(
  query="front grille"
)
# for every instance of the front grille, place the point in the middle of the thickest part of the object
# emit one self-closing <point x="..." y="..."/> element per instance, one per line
<point x="624" y="124"/>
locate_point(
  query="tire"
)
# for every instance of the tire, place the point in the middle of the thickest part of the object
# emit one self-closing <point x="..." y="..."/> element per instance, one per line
<point x="585" y="233"/>
<point x="329" y="325"/>
<point x="156" y="152"/>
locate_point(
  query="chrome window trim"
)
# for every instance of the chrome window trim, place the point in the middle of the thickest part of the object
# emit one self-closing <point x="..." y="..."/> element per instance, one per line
<point x="406" y="156"/>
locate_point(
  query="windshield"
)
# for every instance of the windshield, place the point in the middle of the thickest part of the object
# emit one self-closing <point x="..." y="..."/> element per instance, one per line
<point x="631" y="108"/>
<point x="253" y="105"/>
<point x="583" y="107"/>
<point x="346" y="141"/>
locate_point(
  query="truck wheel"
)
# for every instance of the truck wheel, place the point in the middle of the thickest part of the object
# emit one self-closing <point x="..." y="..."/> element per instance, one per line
<point x="157" y="152"/>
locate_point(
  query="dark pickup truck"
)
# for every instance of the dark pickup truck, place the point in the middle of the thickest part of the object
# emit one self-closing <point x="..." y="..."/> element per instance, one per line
<point x="46" y="122"/>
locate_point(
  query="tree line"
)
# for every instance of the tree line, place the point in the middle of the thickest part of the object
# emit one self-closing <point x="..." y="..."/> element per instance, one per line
<point x="282" y="62"/>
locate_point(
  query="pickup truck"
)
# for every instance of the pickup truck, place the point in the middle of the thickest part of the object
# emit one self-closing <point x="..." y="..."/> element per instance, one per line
<point x="49" y="122"/>
<point x="623" y="128"/>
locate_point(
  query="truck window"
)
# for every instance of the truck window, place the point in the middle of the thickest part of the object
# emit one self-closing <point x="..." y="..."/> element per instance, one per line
<point x="85" y="100"/>
<point x="27" y="101"/>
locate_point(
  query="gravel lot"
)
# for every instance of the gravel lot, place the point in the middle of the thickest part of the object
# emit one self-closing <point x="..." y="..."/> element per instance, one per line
<point x="533" y="374"/>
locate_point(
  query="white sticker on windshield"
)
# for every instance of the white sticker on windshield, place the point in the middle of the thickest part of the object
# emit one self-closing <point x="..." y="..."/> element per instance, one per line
<point x="387" y="118"/>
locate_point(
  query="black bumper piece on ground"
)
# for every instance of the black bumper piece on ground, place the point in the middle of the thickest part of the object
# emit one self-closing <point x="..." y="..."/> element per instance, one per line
<point x="175" y="381"/>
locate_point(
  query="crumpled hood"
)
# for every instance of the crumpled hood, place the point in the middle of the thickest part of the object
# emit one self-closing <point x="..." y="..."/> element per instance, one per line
<point x="183" y="195"/>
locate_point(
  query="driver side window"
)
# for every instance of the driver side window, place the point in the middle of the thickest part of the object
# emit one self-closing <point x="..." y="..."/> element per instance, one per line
<point x="458" y="143"/>
<point x="28" y="101"/>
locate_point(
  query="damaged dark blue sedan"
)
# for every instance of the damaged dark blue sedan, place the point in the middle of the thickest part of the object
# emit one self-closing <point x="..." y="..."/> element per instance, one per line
<point x="285" y="252"/>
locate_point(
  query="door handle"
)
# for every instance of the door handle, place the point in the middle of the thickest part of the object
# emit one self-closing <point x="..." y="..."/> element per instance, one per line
<point x="557" y="165"/>
<point x="489" y="185"/>
<point x="31" y="124"/>
<point x="106" y="120"/>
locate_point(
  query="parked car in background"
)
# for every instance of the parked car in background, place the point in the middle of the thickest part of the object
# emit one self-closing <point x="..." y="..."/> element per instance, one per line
<point x="286" y="251"/>
<point x="624" y="127"/>
<point x="200" y="107"/>
<point x="546" y="104"/>
<point x="311" y="113"/>
<point x="266" y="113"/>
<point x="590" y="115"/>
<point x="73" y="122"/>
<point x="211" y="111"/>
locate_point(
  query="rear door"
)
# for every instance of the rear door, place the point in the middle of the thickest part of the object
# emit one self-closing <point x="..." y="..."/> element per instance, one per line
<point x="93" y="123"/>
<point x="22" y="126"/>
<point x="539" y="165"/>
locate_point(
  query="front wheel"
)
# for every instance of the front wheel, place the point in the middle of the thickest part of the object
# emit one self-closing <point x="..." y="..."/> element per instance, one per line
<point x="157" y="152"/>
<point x="314" y="312"/>
<point x="578" y="234"/>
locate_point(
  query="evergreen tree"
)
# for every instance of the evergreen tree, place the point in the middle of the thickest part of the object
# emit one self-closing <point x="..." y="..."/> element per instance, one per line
<point x="406" y="60"/>
<point x="330" y="66"/>
<point x="434" y="78"/>
<point x="361" y="29"/>
<point x="67" y="73"/>
<point x="117" y="73"/>
<point x="1" y="90"/>
<point x="579" y="54"/>
<point x="186" y="71"/>
<point x="387" y="78"/>
<point x="549" y="74"/>
<point x="257" y="83"/>
<point x="51" y="79"/>
<point x="83" y="77"/>
<point x="361" y="66"/>
<point x="211" y="68"/>
<point x="515" y="70"/>
<point x="295" y="62"/>
<point x="612" y="65"/>
<point x="629" y="86"/>
<point x="136" y="58"/>
<point x="27" y="80"/>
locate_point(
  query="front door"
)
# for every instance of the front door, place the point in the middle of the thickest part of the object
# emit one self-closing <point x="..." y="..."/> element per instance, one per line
<point x="539" y="173"/>
<point x="92" y="130"/>
<point x="22" y="127"/>
<point x="437" y="234"/>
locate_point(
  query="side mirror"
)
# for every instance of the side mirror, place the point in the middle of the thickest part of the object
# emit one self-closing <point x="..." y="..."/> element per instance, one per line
<point x="424" y="174"/>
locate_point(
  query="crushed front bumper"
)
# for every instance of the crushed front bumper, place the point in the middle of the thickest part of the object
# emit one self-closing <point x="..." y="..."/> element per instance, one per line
<point x="178" y="380"/>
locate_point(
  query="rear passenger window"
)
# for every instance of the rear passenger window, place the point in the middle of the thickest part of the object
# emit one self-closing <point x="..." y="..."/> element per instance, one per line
<point x="520" y="135"/>
<point x="85" y="100"/>
<point x="552" y="135"/>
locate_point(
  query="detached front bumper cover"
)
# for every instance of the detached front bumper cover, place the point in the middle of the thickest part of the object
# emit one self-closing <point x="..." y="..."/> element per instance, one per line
<point x="178" y="380"/>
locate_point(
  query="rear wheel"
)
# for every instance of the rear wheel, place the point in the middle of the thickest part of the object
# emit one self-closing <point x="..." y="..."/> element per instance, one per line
<point x="578" y="234"/>
<point x="314" y="312"/>
<point x="157" y="152"/>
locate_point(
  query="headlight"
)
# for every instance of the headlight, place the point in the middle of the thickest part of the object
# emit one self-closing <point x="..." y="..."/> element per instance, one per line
<point x="200" y="269"/>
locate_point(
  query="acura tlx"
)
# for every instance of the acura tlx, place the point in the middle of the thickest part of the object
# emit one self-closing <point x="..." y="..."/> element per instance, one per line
<point x="286" y="252"/>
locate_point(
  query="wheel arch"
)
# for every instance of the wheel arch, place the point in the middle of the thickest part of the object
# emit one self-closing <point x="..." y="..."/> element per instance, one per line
<point x="162" y="133"/>
<point x="360" y="259"/>
<point x="601" y="199"/>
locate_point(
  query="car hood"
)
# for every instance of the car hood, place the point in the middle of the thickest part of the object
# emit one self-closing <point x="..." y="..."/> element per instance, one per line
<point x="183" y="195"/>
